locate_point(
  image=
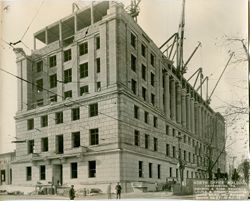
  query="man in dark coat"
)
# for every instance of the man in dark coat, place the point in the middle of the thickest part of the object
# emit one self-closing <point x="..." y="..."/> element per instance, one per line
<point x="72" y="193"/>
<point x="118" y="189"/>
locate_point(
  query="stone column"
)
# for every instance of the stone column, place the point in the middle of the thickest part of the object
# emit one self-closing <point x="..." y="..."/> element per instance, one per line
<point x="178" y="103"/>
<point x="192" y="115"/>
<point x="196" y="117"/>
<point x="172" y="106"/>
<point x="199" y="119"/>
<point x="167" y="95"/>
<point x="183" y="108"/>
<point x="188" y="116"/>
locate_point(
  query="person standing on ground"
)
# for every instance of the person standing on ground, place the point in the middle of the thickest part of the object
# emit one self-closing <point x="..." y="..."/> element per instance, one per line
<point x="118" y="189"/>
<point x="109" y="191"/>
<point x="72" y="193"/>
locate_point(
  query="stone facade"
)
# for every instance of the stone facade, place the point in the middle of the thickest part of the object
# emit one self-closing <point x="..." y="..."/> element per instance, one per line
<point x="6" y="167"/>
<point x="118" y="111"/>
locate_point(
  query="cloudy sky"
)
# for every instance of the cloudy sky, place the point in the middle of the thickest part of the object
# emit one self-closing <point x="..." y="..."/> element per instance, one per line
<point x="206" y="21"/>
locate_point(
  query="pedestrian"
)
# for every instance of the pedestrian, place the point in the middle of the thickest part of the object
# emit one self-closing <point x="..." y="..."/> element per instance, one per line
<point x="118" y="189"/>
<point x="109" y="191"/>
<point x="72" y="193"/>
<point x="56" y="186"/>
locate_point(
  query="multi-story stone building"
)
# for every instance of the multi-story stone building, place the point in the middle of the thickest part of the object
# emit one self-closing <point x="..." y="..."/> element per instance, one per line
<point x="100" y="103"/>
<point x="6" y="167"/>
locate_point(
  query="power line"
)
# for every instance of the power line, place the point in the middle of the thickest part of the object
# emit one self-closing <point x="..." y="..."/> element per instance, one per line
<point x="32" y="20"/>
<point x="75" y="102"/>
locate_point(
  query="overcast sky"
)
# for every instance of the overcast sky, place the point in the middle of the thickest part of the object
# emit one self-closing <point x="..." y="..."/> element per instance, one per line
<point x="206" y="21"/>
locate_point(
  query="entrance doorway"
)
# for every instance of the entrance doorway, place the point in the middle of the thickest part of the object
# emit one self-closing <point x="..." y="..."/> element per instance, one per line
<point x="57" y="174"/>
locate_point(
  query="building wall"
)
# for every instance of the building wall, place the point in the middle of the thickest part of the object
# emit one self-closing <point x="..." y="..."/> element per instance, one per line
<point x="6" y="167"/>
<point x="178" y="109"/>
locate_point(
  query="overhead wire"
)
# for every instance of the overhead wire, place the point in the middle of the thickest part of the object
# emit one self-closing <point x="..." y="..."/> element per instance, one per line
<point x="37" y="12"/>
<point x="75" y="102"/>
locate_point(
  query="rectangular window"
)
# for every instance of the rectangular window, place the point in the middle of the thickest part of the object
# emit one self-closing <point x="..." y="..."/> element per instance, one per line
<point x="146" y="117"/>
<point x="136" y="112"/>
<point x="53" y="98"/>
<point x="39" y="85"/>
<point x="144" y="93"/>
<point x="75" y="114"/>
<point x="152" y="79"/>
<point x="30" y="124"/>
<point x="174" y="152"/>
<point x="133" y="86"/>
<point x="44" y="144"/>
<point x="185" y="139"/>
<point x="189" y="157"/>
<point x="185" y="155"/>
<point x="143" y="50"/>
<point x="167" y="129"/>
<point x="98" y="86"/>
<point x="59" y="117"/>
<point x="28" y="173"/>
<point x="137" y="138"/>
<point x="170" y="172"/>
<point x="59" y="144"/>
<point x="159" y="171"/>
<point x="153" y="99"/>
<point x="83" y="48"/>
<point x="133" y="62"/>
<point x="152" y="59"/>
<point x="93" y="110"/>
<point x="176" y="173"/>
<point x="155" y="122"/>
<point x="92" y="169"/>
<point x="173" y="132"/>
<point x="67" y="55"/>
<point x="53" y="81"/>
<point x="143" y="72"/>
<point x="150" y="170"/>
<point x="68" y="76"/>
<point x="44" y="121"/>
<point x="52" y="61"/>
<point x="133" y="40"/>
<point x="67" y="94"/>
<point x="98" y="65"/>
<point x="167" y="149"/>
<point x="73" y="170"/>
<point x="84" y="70"/>
<point x="42" y="172"/>
<point x="146" y="141"/>
<point x="94" y="136"/>
<point x="39" y="66"/>
<point x="97" y="42"/>
<point x="84" y="89"/>
<point x="140" y="169"/>
<point x="155" y="144"/>
<point x="31" y="144"/>
<point x="75" y="139"/>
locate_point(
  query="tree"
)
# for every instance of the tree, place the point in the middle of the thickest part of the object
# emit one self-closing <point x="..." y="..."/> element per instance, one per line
<point x="244" y="168"/>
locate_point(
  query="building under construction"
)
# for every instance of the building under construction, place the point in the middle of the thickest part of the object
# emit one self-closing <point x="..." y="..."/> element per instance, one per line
<point x="100" y="103"/>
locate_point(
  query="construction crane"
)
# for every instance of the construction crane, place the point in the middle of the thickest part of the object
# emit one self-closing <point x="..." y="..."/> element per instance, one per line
<point x="231" y="55"/>
<point x="133" y="9"/>
<point x="184" y="69"/>
<point x="180" y="39"/>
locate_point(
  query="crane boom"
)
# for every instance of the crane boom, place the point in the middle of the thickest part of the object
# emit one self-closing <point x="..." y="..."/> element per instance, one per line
<point x="231" y="55"/>
<point x="185" y="65"/>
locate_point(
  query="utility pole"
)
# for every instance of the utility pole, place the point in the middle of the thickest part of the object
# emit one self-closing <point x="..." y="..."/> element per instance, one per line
<point x="181" y="164"/>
